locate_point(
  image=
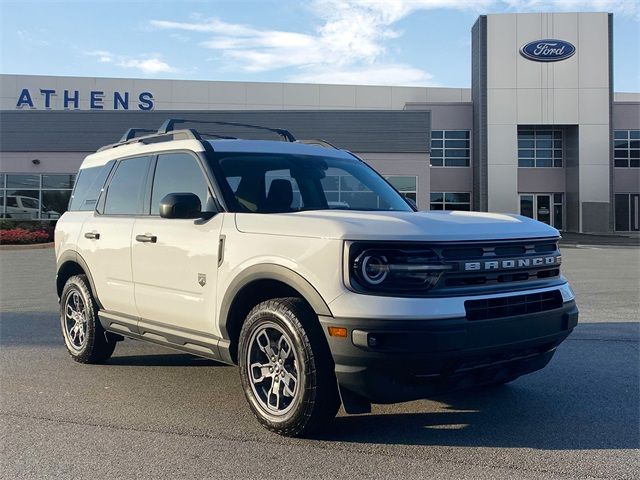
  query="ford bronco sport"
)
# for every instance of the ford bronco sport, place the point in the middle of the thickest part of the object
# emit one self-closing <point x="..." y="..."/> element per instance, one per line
<point x="299" y="263"/>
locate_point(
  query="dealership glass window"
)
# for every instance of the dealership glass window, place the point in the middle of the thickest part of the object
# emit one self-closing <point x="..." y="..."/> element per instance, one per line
<point x="407" y="185"/>
<point x="34" y="196"/>
<point x="539" y="147"/>
<point x="450" y="201"/>
<point x="58" y="181"/>
<point x="626" y="148"/>
<point x="23" y="181"/>
<point x="450" y="148"/>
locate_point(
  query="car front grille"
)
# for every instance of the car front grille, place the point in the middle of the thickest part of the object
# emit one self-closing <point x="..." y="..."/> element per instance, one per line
<point x="514" y="264"/>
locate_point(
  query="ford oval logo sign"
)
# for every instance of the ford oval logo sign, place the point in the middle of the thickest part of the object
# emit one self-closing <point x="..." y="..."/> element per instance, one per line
<point x="547" y="50"/>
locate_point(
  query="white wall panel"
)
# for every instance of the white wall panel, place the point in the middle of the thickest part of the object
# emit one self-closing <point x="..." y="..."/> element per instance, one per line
<point x="227" y="93"/>
<point x="503" y="185"/>
<point x="529" y="105"/>
<point x="593" y="50"/>
<point x="502" y="146"/>
<point x="265" y="94"/>
<point x="529" y="28"/>
<point x="301" y="94"/>
<point x="338" y="96"/>
<point x="503" y="106"/>
<point x="594" y="105"/>
<point x="565" y="106"/>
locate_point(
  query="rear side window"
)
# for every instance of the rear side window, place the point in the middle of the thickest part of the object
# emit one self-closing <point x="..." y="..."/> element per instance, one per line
<point x="88" y="186"/>
<point x="178" y="173"/>
<point x="125" y="193"/>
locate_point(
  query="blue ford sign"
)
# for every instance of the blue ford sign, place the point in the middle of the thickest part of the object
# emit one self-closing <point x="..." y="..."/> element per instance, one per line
<point x="547" y="50"/>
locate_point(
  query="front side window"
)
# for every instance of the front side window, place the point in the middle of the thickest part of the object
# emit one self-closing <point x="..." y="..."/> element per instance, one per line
<point x="178" y="173"/>
<point x="626" y="148"/>
<point x="451" y="201"/>
<point x="539" y="147"/>
<point x="272" y="183"/>
<point x="450" y="148"/>
<point x="125" y="192"/>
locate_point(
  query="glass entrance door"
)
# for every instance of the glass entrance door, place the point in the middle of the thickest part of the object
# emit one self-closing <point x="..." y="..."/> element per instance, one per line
<point x="627" y="208"/>
<point x="544" y="207"/>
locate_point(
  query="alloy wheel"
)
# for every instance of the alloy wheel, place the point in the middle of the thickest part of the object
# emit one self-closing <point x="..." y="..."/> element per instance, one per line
<point x="273" y="369"/>
<point x="75" y="321"/>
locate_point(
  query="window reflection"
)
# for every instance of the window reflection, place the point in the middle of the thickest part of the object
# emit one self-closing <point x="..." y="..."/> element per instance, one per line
<point x="34" y="196"/>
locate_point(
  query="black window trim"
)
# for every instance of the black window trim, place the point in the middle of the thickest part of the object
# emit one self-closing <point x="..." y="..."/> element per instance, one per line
<point x="146" y="203"/>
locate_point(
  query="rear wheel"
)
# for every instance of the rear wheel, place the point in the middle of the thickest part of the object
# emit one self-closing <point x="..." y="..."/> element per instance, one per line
<point x="83" y="335"/>
<point x="286" y="368"/>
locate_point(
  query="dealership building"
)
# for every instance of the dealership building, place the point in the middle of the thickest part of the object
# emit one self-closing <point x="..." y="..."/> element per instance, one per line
<point x="540" y="132"/>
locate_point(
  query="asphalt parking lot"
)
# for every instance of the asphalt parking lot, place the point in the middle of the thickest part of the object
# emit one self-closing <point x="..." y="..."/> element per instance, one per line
<point x="154" y="413"/>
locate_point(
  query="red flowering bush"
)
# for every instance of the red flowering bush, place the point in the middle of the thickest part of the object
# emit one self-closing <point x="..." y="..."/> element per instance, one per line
<point x="22" y="236"/>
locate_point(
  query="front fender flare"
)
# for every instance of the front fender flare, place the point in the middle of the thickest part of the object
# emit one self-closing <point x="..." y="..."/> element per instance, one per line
<point x="270" y="271"/>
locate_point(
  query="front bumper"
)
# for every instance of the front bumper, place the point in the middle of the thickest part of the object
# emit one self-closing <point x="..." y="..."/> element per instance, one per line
<point x="388" y="361"/>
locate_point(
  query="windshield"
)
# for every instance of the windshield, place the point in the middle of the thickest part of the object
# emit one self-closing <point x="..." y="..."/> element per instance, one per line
<point x="278" y="183"/>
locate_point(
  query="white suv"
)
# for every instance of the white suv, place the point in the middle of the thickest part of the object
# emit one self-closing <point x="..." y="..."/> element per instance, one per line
<point x="298" y="262"/>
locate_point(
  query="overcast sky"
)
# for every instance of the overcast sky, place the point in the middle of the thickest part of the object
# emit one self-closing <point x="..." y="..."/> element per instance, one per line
<point x="386" y="42"/>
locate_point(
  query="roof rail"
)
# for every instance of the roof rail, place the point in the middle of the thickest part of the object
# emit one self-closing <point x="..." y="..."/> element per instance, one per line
<point x="166" y="133"/>
<point x="168" y="125"/>
<point x="153" y="138"/>
<point x="319" y="142"/>
<point x="217" y="135"/>
<point x="131" y="133"/>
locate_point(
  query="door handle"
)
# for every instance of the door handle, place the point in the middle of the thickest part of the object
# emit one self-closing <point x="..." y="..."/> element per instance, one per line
<point x="92" y="235"/>
<point x="146" y="238"/>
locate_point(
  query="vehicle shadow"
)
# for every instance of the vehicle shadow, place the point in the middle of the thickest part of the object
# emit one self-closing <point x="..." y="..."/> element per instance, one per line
<point x="586" y="398"/>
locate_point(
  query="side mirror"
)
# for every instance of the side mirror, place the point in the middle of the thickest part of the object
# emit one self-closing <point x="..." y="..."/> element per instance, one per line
<point x="180" y="205"/>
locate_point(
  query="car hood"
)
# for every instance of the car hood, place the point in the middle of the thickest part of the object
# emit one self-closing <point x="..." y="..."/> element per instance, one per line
<point x="423" y="226"/>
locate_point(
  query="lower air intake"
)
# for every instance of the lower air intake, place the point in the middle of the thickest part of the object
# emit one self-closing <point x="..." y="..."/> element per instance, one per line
<point x="511" y="306"/>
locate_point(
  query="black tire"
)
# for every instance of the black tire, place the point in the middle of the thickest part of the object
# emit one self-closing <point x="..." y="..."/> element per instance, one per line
<point x="316" y="399"/>
<point x="95" y="346"/>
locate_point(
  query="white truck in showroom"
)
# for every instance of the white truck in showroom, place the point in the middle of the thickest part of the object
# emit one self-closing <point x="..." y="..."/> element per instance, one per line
<point x="247" y="252"/>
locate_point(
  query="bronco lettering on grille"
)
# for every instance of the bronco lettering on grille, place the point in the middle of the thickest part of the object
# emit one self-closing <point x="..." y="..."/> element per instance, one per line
<point x="513" y="263"/>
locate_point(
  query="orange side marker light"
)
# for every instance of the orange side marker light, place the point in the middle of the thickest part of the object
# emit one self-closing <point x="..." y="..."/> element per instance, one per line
<point x="338" y="332"/>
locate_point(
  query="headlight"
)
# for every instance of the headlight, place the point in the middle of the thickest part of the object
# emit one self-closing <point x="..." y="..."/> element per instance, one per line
<point x="393" y="268"/>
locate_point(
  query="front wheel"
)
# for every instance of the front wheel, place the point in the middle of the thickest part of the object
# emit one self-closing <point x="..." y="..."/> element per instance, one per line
<point x="83" y="334"/>
<point x="286" y="368"/>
